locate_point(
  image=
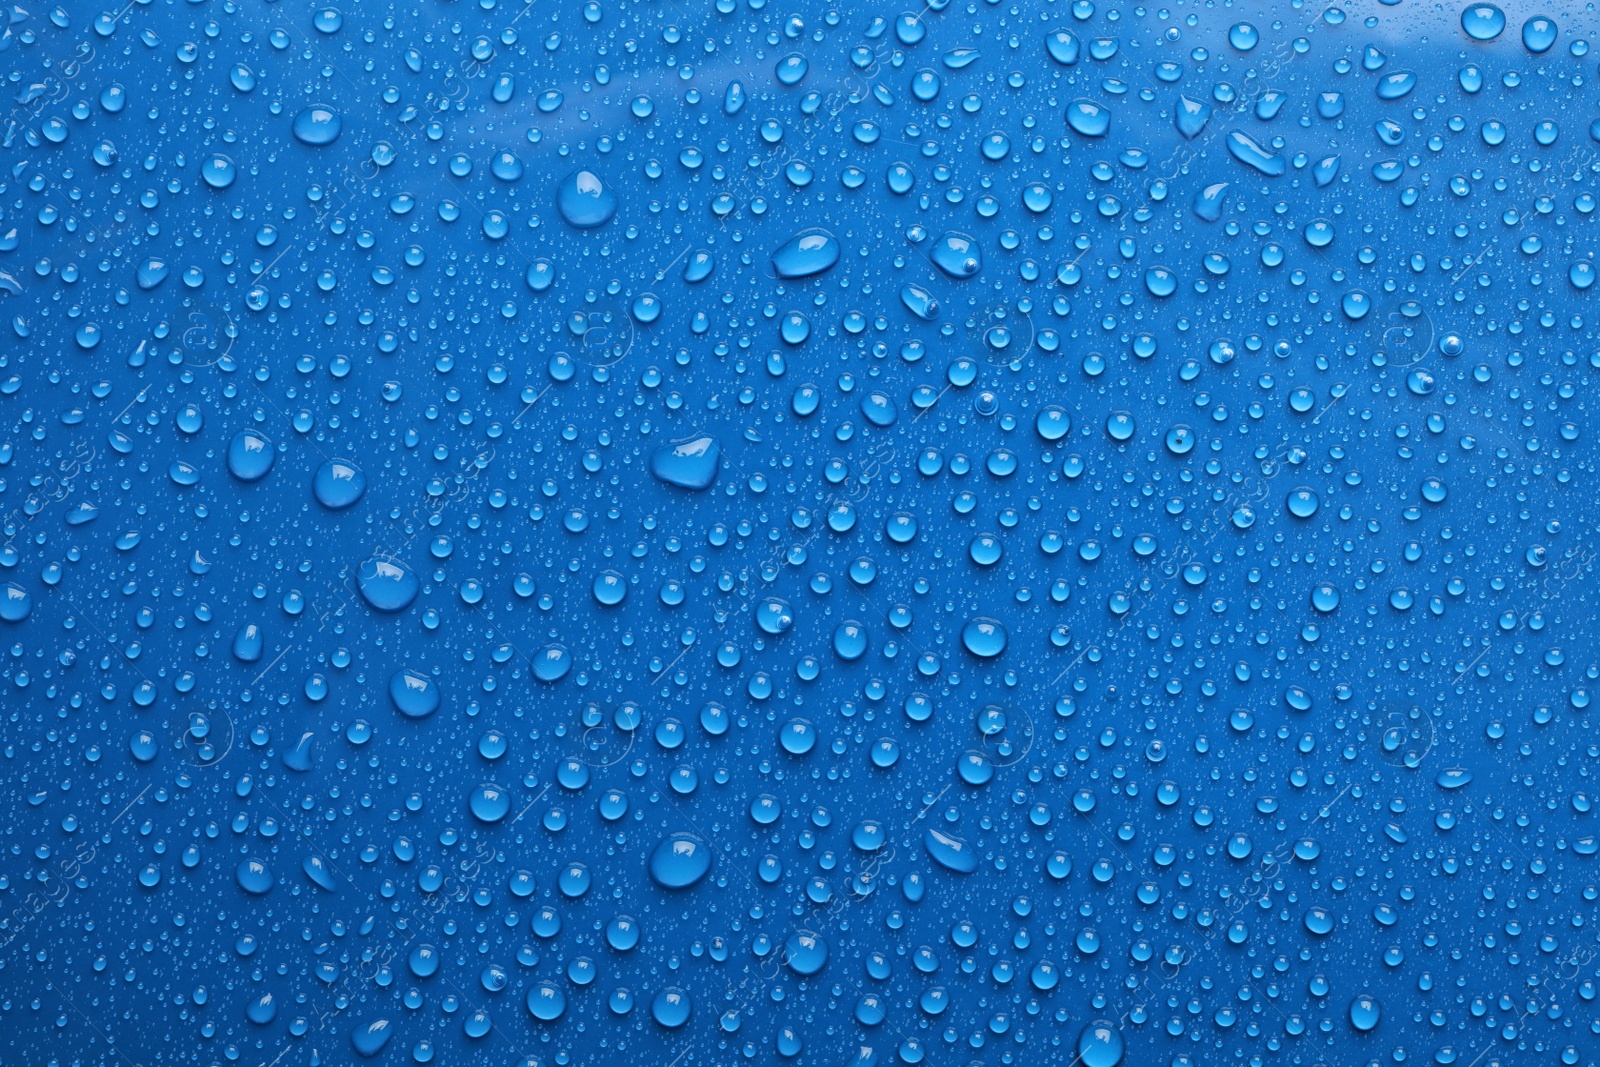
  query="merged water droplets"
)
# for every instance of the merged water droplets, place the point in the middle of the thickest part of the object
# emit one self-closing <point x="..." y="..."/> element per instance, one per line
<point x="690" y="463"/>
<point x="957" y="255"/>
<point x="1248" y="151"/>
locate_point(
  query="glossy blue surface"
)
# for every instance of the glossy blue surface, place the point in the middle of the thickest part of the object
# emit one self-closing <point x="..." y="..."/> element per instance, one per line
<point x="1003" y="533"/>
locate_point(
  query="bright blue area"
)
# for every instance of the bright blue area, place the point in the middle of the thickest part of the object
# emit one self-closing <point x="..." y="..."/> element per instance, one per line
<point x="730" y="532"/>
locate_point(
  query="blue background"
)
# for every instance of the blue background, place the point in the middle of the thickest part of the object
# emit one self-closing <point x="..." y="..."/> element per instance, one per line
<point x="1285" y="758"/>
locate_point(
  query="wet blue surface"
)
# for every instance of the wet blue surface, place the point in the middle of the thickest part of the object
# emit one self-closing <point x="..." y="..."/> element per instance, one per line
<point x="732" y="532"/>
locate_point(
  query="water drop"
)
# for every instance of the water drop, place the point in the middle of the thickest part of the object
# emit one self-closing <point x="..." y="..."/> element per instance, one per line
<point x="218" y="171"/>
<point x="680" y="860"/>
<point x="250" y="456"/>
<point x="317" y="125"/>
<point x="338" y="483"/>
<point x="1063" y="46"/>
<point x="950" y="852"/>
<point x="1247" y="151"/>
<point x="957" y="255"/>
<point x="386" y="584"/>
<point x="984" y="637"/>
<point x="1396" y="85"/>
<point x="1483" y="22"/>
<point x="690" y="463"/>
<point x="1190" y="116"/>
<point x="16" y="603"/>
<point x="489" y="803"/>
<point x="584" y="201"/>
<point x="807" y="253"/>
<point x="671" y="1007"/>
<point x="1538" y="34"/>
<point x="1365" y="1012"/>
<point x="254" y="877"/>
<point x="1088" y="118"/>
<point x="1100" y="1044"/>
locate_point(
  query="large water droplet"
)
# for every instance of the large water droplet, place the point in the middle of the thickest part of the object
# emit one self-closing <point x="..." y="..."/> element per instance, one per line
<point x="1089" y="118"/>
<point x="1396" y="84"/>
<point x="584" y="201"/>
<point x="957" y="255"/>
<point x="920" y="302"/>
<point x="551" y="663"/>
<point x="1483" y="22"/>
<point x="1209" y="201"/>
<point x="1063" y="46"/>
<point x="690" y="463"/>
<point x="368" y="1039"/>
<point x="806" y="953"/>
<point x="250" y="456"/>
<point x="680" y="860"/>
<point x="950" y="852"/>
<point x="318" y="125"/>
<point x="248" y="643"/>
<point x="320" y="871"/>
<point x="1539" y="34"/>
<point x="984" y="637"/>
<point x="387" y="584"/>
<point x="338" y="483"/>
<point x="1190" y="117"/>
<point x="1365" y="1012"/>
<point x="671" y="1007"/>
<point x="806" y="253"/>
<point x="546" y="1002"/>
<point x="1247" y="151"/>
<point x="254" y="877"/>
<point x="16" y="603"/>
<point x="262" y="1009"/>
<point x="218" y="171"/>
<point x="1100" y="1044"/>
<point x="414" y="694"/>
<point x="489" y="803"/>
